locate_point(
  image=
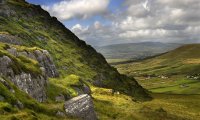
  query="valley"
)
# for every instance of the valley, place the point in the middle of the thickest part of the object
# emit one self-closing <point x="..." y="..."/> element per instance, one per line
<point x="49" y="73"/>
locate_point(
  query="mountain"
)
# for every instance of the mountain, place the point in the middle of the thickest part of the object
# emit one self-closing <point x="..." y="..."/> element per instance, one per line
<point x="174" y="72"/>
<point x="135" y="50"/>
<point x="43" y="61"/>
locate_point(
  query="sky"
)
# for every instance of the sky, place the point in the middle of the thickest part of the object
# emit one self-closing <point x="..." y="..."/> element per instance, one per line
<point x="104" y="22"/>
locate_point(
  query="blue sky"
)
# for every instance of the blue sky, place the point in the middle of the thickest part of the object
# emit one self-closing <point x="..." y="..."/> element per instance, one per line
<point x="103" y="22"/>
<point x="113" y="6"/>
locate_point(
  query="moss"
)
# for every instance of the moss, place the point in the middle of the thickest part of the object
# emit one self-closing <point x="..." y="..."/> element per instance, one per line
<point x="21" y="63"/>
<point x="63" y="86"/>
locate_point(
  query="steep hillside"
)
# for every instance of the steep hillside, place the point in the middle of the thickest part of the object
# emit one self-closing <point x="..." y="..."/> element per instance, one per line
<point x="174" y="72"/>
<point x="136" y="50"/>
<point x="29" y="25"/>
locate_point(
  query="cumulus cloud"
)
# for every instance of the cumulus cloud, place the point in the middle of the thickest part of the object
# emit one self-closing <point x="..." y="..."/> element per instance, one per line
<point x="68" y="9"/>
<point x="142" y="20"/>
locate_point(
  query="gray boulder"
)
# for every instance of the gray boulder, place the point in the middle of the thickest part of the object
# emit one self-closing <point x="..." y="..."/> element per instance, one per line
<point x="42" y="56"/>
<point x="81" y="107"/>
<point x="5" y="38"/>
<point x="33" y="85"/>
<point x="45" y="60"/>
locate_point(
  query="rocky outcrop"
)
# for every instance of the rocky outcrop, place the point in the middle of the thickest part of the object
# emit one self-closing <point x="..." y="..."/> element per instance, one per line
<point x="45" y="60"/>
<point x="32" y="85"/>
<point x="5" y="38"/>
<point x="81" y="107"/>
<point x="42" y="56"/>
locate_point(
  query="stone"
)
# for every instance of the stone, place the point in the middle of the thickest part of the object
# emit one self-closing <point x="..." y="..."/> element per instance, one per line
<point x="13" y="51"/>
<point x="81" y="107"/>
<point x="60" y="114"/>
<point x="45" y="61"/>
<point x="6" y="38"/>
<point x="60" y="98"/>
<point x="86" y="89"/>
<point x="33" y="85"/>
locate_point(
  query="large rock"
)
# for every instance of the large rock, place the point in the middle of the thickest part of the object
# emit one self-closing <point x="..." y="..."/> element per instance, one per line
<point x="42" y="56"/>
<point x="45" y="60"/>
<point x="81" y="107"/>
<point x="32" y="85"/>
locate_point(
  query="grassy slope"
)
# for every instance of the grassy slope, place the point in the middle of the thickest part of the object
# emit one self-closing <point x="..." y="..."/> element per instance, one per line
<point x="176" y="64"/>
<point x="179" y="102"/>
<point x="162" y="107"/>
<point x="36" y="27"/>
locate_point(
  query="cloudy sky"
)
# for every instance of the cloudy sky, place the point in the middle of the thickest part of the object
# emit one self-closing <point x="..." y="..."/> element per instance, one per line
<point x="103" y="22"/>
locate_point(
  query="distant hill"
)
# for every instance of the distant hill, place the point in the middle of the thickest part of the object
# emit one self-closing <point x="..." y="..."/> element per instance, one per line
<point x="183" y="60"/>
<point x="135" y="50"/>
<point x="177" y="71"/>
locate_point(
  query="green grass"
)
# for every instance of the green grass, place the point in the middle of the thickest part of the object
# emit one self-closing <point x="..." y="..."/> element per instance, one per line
<point x="175" y="65"/>
<point x="163" y="106"/>
<point x="183" y="60"/>
<point x="20" y="63"/>
<point x="117" y="61"/>
<point x="63" y="86"/>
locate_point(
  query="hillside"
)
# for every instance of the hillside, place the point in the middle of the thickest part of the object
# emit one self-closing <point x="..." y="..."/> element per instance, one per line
<point x="174" y="72"/>
<point x="42" y="61"/>
<point x="135" y="50"/>
<point x="36" y="27"/>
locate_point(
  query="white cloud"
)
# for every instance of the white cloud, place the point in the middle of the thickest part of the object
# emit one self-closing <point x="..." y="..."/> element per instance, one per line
<point x="97" y="25"/>
<point x="148" y="34"/>
<point x="83" y="9"/>
<point x="78" y="27"/>
<point x="146" y="5"/>
<point x="147" y="20"/>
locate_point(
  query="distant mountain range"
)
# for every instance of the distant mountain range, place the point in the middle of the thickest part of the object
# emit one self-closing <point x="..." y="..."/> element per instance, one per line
<point x="136" y="50"/>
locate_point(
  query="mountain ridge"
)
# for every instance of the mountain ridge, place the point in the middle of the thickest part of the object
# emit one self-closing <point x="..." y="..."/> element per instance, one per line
<point x="136" y="50"/>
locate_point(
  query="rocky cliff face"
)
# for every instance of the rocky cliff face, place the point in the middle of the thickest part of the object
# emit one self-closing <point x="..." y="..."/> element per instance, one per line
<point x="30" y="82"/>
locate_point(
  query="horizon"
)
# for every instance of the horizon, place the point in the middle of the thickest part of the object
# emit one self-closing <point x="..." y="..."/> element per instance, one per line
<point x="107" y="22"/>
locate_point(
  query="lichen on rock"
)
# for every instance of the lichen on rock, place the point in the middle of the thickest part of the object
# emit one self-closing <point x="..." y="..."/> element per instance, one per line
<point x="81" y="107"/>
